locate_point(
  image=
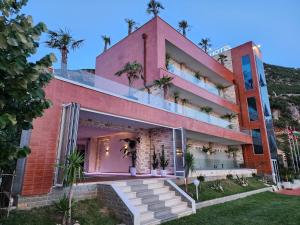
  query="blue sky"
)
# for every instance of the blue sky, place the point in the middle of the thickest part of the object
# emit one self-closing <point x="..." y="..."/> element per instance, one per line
<point x="274" y="24"/>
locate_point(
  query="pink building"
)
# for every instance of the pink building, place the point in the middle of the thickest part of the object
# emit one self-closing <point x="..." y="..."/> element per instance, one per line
<point x="222" y="114"/>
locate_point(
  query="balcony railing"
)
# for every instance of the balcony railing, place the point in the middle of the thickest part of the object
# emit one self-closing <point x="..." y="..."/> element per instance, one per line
<point x="141" y="96"/>
<point x="200" y="83"/>
<point x="213" y="164"/>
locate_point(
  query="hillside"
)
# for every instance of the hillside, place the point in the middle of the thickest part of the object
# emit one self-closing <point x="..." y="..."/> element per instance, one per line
<point x="284" y="91"/>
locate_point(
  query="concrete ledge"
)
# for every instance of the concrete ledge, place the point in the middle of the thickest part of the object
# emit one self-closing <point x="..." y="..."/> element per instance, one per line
<point x="229" y="198"/>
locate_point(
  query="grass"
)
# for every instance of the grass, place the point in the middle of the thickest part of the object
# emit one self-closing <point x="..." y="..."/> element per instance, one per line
<point x="261" y="209"/>
<point x="87" y="212"/>
<point x="230" y="187"/>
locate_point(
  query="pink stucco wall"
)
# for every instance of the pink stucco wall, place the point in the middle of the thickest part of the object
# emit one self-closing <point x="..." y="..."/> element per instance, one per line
<point x="129" y="49"/>
<point x="113" y="161"/>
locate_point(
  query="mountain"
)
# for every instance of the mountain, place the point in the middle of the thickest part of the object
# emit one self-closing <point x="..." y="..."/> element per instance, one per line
<point x="284" y="93"/>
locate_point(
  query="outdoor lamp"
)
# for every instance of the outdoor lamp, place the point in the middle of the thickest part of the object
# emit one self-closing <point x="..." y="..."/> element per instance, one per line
<point x="196" y="183"/>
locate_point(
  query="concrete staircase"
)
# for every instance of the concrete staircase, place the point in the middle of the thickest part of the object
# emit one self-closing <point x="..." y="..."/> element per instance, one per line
<point x="154" y="199"/>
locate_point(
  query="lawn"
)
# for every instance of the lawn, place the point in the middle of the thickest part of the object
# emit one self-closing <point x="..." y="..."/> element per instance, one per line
<point x="230" y="187"/>
<point x="87" y="212"/>
<point x="261" y="209"/>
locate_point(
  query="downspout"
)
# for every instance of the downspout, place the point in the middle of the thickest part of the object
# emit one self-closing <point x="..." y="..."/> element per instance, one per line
<point x="145" y="36"/>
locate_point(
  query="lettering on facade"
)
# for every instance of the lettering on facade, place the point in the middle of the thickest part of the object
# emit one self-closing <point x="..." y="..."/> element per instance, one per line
<point x="219" y="50"/>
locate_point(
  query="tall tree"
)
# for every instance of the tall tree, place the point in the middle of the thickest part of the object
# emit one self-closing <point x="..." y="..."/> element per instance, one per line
<point x="131" y="24"/>
<point x="106" y="40"/>
<point x="133" y="71"/>
<point x="64" y="42"/>
<point x="154" y="7"/>
<point x="164" y="83"/>
<point x="183" y="27"/>
<point x="205" y="44"/>
<point x="21" y="82"/>
<point x="222" y="58"/>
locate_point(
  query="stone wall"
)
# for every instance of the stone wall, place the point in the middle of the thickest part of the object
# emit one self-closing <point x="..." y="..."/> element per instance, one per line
<point x="81" y="192"/>
<point x="109" y="197"/>
<point x="153" y="139"/>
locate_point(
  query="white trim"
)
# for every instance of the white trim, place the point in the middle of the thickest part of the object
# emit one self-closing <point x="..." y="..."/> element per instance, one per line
<point x="183" y="194"/>
<point x="122" y="117"/>
<point x="132" y="208"/>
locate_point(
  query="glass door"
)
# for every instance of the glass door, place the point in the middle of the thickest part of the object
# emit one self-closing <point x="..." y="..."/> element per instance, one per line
<point x="179" y="141"/>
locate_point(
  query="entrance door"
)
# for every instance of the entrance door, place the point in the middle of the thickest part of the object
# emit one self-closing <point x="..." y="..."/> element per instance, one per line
<point x="67" y="138"/>
<point x="179" y="150"/>
<point x="275" y="170"/>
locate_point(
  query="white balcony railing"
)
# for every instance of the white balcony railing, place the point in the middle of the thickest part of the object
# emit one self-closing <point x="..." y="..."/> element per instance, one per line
<point x="141" y="96"/>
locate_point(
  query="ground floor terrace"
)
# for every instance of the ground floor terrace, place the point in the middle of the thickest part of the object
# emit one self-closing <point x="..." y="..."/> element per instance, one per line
<point x="101" y="139"/>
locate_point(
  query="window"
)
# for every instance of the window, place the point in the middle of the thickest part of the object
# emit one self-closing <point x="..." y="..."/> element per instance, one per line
<point x="252" y="110"/>
<point x="257" y="143"/>
<point x="246" y="67"/>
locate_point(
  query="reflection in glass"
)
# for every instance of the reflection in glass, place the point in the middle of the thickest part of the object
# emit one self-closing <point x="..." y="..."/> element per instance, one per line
<point x="246" y="67"/>
<point x="252" y="110"/>
<point x="257" y="143"/>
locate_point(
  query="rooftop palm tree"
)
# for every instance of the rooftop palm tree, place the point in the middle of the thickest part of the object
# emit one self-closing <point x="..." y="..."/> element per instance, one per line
<point x="106" y="40"/>
<point x="222" y="59"/>
<point x="63" y="41"/>
<point x="154" y="7"/>
<point x="133" y="71"/>
<point x="183" y="27"/>
<point x="131" y="24"/>
<point x="205" y="44"/>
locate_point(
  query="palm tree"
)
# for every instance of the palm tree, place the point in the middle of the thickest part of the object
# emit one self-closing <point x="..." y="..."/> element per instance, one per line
<point x="205" y="44"/>
<point x="63" y="41"/>
<point x="154" y="7"/>
<point x="133" y="71"/>
<point x="106" y="40"/>
<point x="189" y="166"/>
<point x="131" y="24"/>
<point x="183" y="27"/>
<point x="184" y="101"/>
<point x="164" y="83"/>
<point x="73" y="172"/>
<point x="222" y="59"/>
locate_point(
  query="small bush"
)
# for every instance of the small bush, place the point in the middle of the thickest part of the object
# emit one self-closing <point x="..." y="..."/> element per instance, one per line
<point x="229" y="176"/>
<point x="201" y="178"/>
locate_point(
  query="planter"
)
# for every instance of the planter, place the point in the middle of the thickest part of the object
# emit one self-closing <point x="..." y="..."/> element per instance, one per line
<point x="163" y="173"/>
<point x="287" y="185"/>
<point x="133" y="171"/>
<point x="154" y="173"/>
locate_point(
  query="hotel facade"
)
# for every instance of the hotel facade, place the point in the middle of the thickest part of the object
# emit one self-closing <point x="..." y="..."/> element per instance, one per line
<point x="221" y="113"/>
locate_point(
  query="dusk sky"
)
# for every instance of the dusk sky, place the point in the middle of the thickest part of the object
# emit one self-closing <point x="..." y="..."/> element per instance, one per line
<point x="274" y="24"/>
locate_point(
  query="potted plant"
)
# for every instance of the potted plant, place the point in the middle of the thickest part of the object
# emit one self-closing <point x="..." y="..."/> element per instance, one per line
<point x="154" y="164"/>
<point x="231" y="151"/>
<point x="163" y="162"/>
<point x="229" y="117"/>
<point x="129" y="150"/>
<point x="197" y="75"/>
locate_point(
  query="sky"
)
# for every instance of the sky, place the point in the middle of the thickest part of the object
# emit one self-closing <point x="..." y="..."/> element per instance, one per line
<point x="274" y="24"/>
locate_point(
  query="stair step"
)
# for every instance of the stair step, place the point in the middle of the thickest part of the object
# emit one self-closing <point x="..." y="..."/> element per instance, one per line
<point x="165" y="203"/>
<point x="161" y="211"/>
<point x="167" y="217"/>
<point x="144" y="216"/>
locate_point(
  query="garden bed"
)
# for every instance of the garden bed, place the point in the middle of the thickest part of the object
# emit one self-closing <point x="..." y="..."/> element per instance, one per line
<point x="87" y="212"/>
<point x="230" y="187"/>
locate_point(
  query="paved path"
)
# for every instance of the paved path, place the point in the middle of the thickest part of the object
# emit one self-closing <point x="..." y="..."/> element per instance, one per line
<point x="295" y="192"/>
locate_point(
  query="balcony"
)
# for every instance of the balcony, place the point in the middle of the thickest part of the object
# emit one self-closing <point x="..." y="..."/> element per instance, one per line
<point x="190" y="77"/>
<point x="113" y="88"/>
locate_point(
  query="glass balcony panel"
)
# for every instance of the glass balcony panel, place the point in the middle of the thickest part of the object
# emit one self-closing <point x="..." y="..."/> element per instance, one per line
<point x="191" y="78"/>
<point x="111" y="87"/>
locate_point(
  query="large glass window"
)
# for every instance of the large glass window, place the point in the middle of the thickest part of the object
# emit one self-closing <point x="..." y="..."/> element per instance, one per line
<point x="246" y="67"/>
<point x="252" y="110"/>
<point x="257" y="143"/>
<point x="266" y="107"/>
